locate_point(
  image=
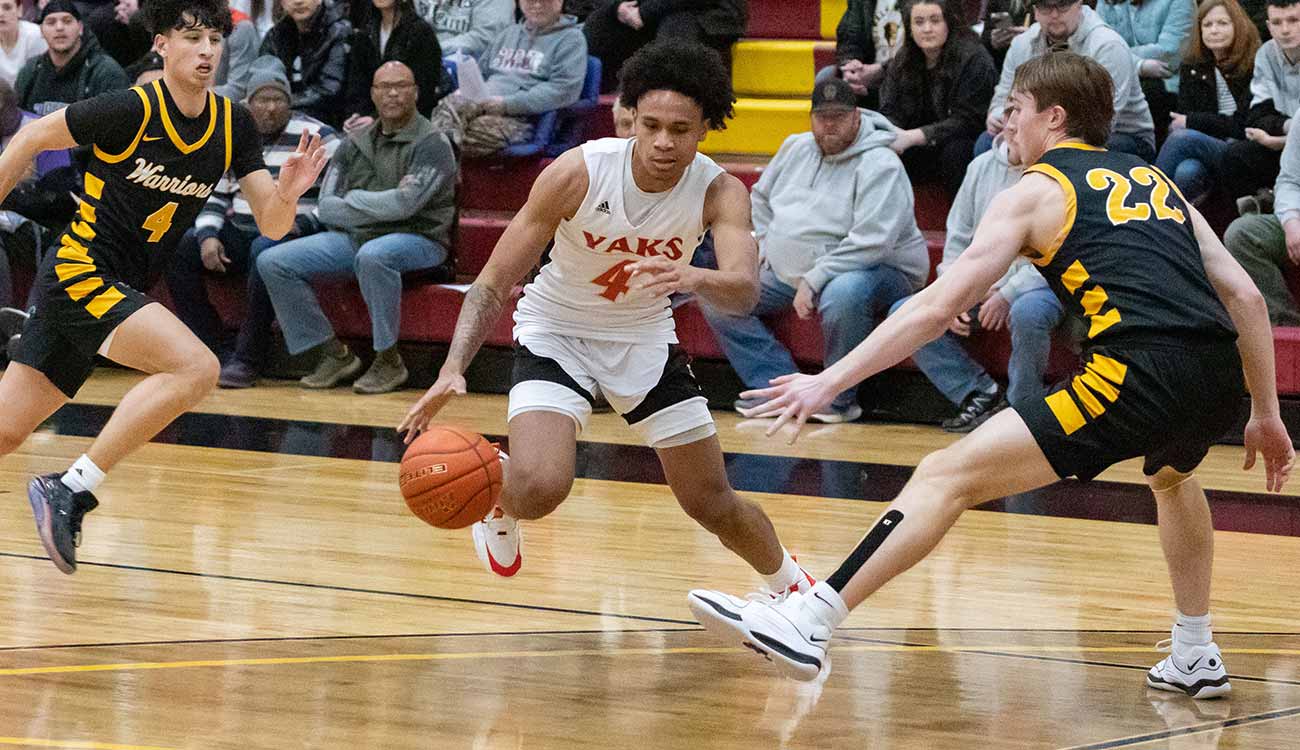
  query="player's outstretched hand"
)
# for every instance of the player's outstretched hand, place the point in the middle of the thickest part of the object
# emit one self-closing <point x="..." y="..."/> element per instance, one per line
<point x="1269" y="437"/>
<point x="792" y="399"/>
<point x="303" y="166"/>
<point x="417" y="419"/>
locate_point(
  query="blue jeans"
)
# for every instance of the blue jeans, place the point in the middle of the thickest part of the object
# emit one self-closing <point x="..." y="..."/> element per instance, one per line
<point x="956" y="374"/>
<point x="289" y="268"/>
<point x="1193" y="160"/>
<point x="848" y="307"/>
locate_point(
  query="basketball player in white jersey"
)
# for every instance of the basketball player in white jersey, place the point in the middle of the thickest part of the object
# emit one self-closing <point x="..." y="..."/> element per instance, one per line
<point x="626" y="216"/>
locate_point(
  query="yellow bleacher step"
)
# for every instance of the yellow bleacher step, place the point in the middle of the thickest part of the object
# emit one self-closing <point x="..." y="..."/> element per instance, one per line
<point x="777" y="67"/>
<point x="760" y="126"/>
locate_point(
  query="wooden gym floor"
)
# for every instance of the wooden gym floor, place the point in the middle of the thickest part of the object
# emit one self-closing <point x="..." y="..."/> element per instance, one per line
<point x="253" y="580"/>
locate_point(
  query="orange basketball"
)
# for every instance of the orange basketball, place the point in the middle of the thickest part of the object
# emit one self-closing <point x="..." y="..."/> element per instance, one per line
<point x="450" y="477"/>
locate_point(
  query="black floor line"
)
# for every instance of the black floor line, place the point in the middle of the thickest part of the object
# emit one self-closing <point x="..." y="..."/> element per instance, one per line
<point x="1238" y="721"/>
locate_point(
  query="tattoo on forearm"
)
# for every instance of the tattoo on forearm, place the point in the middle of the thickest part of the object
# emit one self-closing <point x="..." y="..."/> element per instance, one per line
<point x="478" y="313"/>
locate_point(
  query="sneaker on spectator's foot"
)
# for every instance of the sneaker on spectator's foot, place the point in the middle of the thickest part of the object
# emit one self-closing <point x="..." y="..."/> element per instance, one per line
<point x="1196" y="671"/>
<point x="498" y="542"/>
<point x="743" y="404"/>
<point x="790" y="632"/>
<point x="237" y="374"/>
<point x="332" y="370"/>
<point x="58" y="512"/>
<point x="975" y="410"/>
<point x="1259" y="203"/>
<point x="386" y="374"/>
<point x="851" y="413"/>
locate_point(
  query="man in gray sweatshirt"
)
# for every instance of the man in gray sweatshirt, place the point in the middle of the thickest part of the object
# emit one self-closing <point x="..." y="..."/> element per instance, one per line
<point x="1268" y="245"/>
<point x="1071" y="25"/>
<point x="837" y="238"/>
<point x="1020" y="300"/>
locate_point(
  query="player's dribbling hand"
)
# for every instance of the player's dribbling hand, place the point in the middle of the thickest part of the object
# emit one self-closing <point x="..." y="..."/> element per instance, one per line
<point x="303" y="166"/>
<point x="792" y="399"/>
<point x="652" y="278"/>
<point x="417" y="419"/>
<point x="1268" y="436"/>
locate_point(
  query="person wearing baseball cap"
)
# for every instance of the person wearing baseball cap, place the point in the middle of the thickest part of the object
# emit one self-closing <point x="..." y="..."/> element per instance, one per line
<point x="74" y="67"/>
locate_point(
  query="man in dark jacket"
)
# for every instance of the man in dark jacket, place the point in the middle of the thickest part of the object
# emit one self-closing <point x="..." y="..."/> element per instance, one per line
<point x="394" y="32"/>
<point x="73" y="68"/>
<point x="312" y="41"/>
<point x="618" y="28"/>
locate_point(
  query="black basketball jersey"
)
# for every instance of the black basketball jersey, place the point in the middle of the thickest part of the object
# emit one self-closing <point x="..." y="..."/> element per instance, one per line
<point x="1127" y="259"/>
<point x="150" y="172"/>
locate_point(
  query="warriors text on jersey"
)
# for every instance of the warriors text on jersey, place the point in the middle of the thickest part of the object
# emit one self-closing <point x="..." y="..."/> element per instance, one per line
<point x="583" y="290"/>
<point x="151" y="171"/>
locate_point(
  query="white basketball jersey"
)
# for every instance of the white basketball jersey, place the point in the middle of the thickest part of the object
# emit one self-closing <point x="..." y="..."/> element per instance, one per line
<point x="583" y="291"/>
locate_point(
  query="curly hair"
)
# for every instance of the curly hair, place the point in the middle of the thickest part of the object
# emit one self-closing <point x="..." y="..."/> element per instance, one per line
<point x="690" y="69"/>
<point x="162" y="16"/>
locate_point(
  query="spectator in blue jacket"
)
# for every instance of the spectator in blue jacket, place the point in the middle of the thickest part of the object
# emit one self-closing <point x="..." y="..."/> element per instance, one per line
<point x="1157" y="32"/>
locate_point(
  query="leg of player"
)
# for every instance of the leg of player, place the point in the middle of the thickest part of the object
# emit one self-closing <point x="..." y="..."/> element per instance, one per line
<point x="698" y="478"/>
<point x="538" y="477"/>
<point x="181" y="372"/>
<point x="27" y="398"/>
<point x="794" y="632"/>
<point x="1194" y="665"/>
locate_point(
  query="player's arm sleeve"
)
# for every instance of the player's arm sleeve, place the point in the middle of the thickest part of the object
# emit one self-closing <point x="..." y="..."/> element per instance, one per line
<point x="246" y="157"/>
<point x="110" y="121"/>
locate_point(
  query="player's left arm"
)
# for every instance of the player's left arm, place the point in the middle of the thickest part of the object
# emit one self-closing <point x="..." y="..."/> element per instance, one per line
<point x="1265" y="432"/>
<point x="275" y="202"/>
<point x="50" y="133"/>
<point x="733" y="287"/>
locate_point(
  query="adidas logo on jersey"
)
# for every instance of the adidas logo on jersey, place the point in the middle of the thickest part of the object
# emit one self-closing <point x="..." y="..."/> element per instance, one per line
<point x="645" y="246"/>
<point x="603" y="207"/>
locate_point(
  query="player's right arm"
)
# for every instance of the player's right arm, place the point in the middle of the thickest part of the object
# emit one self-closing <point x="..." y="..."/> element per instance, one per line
<point x="49" y="133"/>
<point x="555" y="196"/>
<point x="1265" y="431"/>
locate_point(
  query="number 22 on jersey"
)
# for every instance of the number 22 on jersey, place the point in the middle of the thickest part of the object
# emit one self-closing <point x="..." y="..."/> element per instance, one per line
<point x="1117" y="208"/>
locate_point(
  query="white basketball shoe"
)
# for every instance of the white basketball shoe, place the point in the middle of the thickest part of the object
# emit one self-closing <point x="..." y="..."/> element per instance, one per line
<point x="498" y="541"/>
<point x="792" y="631"/>
<point x="1196" y="671"/>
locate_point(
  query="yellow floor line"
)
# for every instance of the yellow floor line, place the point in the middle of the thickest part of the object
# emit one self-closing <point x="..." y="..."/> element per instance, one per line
<point x="592" y="652"/>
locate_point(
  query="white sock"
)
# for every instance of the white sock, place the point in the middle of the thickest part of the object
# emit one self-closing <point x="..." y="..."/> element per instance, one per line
<point x="83" y="475"/>
<point x="826" y="603"/>
<point x="1192" y="631"/>
<point x="785" y="576"/>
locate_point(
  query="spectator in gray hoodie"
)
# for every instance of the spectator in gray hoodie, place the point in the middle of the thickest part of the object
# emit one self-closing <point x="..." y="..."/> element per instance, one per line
<point x="466" y="26"/>
<point x="1020" y="300"/>
<point x="836" y="237"/>
<point x="1268" y="245"/>
<point x="531" y="67"/>
<point x="1070" y="25"/>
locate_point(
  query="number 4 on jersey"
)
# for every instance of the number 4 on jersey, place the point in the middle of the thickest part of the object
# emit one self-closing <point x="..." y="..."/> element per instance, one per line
<point x="160" y="221"/>
<point x="614" y="279"/>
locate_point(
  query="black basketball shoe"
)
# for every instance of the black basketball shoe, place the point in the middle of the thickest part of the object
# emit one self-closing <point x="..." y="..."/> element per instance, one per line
<point x="58" y="512"/>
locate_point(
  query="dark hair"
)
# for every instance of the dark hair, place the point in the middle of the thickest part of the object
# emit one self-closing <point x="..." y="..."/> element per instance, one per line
<point x="690" y="69"/>
<point x="910" y="55"/>
<point x="150" y="60"/>
<point x="1281" y="3"/>
<point x="11" y="115"/>
<point x="1077" y="84"/>
<point x="162" y="16"/>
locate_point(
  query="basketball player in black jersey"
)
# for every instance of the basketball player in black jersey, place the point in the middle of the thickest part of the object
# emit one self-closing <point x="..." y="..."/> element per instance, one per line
<point x="1173" y="321"/>
<point x="157" y="151"/>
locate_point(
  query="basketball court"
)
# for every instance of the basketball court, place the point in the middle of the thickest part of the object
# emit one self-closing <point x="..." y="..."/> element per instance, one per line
<point x="254" y="580"/>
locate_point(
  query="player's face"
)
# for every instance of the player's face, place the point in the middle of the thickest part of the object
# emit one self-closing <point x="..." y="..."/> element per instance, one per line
<point x="1058" y="19"/>
<point x="1028" y="131"/>
<point x="1284" y="25"/>
<point x="270" y="110"/>
<point x="62" y="32"/>
<point x="1217" y="31"/>
<point x="835" y="129"/>
<point x="191" y="53"/>
<point x="668" y="130"/>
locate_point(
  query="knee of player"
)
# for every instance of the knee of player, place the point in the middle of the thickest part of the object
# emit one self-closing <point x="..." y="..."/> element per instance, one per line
<point x="940" y="475"/>
<point x="201" y="372"/>
<point x="707" y="503"/>
<point x="532" y="495"/>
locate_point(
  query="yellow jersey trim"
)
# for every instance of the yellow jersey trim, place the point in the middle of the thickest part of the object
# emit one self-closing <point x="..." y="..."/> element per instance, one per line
<point x="230" y="146"/>
<point x="1071" y="210"/>
<point x="182" y="146"/>
<point x="108" y="158"/>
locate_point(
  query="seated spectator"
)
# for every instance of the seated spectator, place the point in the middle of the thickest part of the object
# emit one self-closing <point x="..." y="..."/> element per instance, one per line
<point x="225" y="238"/>
<point x="1004" y="20"/>
<point x="145" y="70"/>
<point x="1268" y="245"/>
<point x="262" y="13"/>
<point x="1251" y="165"/>
<point x="1020" y="300"/>
<point x="20" y="41"/>
<point x="867" y="37"/>
<point x="836" y="237"/>
<point x="72" y="69"/>
<point x="237" y="56"/>
<point x="1213" y="98"/>
<point x="388" y="202"/>
<point x="618" y="28"/>
<point x="624" y="122"/>
<point x="531" y="67"/>
<point x="393" y="32"/>
<point x="937" y="90"/>
<point x="312" y="41"/>
<point x="466" y="26"/>
<point x="1157" y="31"/>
